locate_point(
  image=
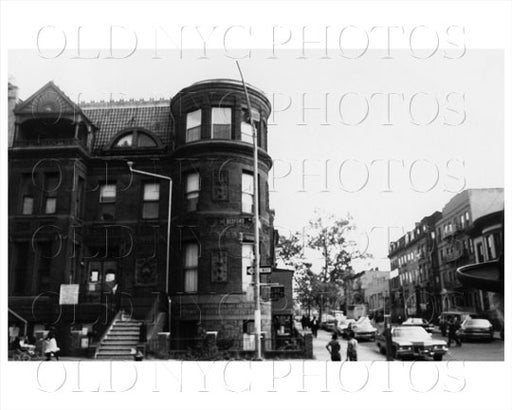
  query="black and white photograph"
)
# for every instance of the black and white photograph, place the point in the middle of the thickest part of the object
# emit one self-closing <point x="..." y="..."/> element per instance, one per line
<point x="207" y="203"/>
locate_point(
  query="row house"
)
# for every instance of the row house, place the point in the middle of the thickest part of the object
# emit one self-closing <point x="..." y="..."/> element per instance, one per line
<point x="414" y="257"/>
<point x="456" y="245"/>
<point x="427" y="257"/>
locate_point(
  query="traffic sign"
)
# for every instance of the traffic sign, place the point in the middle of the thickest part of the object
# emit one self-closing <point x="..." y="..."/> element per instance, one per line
<point x="264" y="270"/>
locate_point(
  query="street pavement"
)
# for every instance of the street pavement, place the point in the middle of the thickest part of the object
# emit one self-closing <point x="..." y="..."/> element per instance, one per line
<point x="367" y="351"/>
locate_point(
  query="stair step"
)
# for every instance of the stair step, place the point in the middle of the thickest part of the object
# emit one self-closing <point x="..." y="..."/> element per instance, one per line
<point x="115" y="350"/>
<point x="120" y="342"/>
<point x="114" y="357"/>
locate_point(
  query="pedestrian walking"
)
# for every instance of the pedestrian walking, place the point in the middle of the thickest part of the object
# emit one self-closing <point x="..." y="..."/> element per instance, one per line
<point x="453" y="335"/>
<point x="351" y="348"/>
<point x="50" y="348"/>
<point x="304" y="322"/>
<point x="334" y="348"/>
<point x="314" y="326"/>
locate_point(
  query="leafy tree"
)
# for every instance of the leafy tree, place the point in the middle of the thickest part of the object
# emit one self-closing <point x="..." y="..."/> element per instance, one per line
<point x="328" y="236"/>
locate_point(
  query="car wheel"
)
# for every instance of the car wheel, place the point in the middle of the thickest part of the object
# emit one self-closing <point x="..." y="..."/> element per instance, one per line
<point x="438" y="357"/>
<point x="382" y="350"/>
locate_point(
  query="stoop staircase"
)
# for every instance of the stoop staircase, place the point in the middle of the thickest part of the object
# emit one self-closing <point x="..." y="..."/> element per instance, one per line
<point x="120" y="341"/>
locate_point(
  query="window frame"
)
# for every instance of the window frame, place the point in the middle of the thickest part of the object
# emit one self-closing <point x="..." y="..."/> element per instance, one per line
<point x="135" y="134"/>
<point x="194" y="268"/>
<point x="246" y="193"/>
<point x="199" y="126"/>
<point x="213" y="124"/>
<point x="50" y="195"/>
<point x="189" y="194"/>
<point x="150" y="201"/>
<point x="105" y="204"/>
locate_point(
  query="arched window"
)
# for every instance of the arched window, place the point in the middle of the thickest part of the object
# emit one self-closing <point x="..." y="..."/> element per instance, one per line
<point x="135" y="139"/>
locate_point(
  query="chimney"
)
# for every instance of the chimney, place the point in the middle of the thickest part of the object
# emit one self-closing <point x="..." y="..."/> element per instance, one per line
<point x="13" y="100"/>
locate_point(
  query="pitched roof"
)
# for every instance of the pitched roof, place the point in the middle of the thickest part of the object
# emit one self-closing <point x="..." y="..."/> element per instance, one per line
<point x="49" y="99"/>
<point x="111" y="117"/>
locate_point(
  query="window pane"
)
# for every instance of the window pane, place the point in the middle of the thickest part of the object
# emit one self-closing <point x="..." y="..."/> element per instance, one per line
<point x="193" y="126"/>
<point x="193" y="182"/>
<point x="151" y="192"/>
<point x="191" y="255"/>
<point x="221" y="123"/>
<point x="247" y="192"/>
<point x="28" y="205"/>
<point x="126" y="141"/>
<point x="150" y="210"/>
<point x="193" y="134"/>
<point x="51" y="206"/>
<point x="94" y="276"/>
<point x="193" y="119"/>
<point x="144" y="140"/>
<point x="107" y="212"/>
<point x="108" y="193"/>
<point x="247" y="132"/>
<point x="191" y="280"/>
<point x="221" y="115"/>
<point x="190" y="264"/>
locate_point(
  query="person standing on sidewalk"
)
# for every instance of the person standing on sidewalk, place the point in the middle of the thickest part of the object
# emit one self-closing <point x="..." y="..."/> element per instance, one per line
<point x="453" y="327"/>
<point x="334" y="348"/>
<point x="352" y="348"/>
<point x="314" y="326"/>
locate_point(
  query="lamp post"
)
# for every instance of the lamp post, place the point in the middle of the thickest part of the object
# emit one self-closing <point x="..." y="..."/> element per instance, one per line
<point x="169" y="214"/>
<point x="256" y="222"/>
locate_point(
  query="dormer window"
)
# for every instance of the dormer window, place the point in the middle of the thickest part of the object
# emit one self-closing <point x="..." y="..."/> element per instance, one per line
<point x="135" y="139"/>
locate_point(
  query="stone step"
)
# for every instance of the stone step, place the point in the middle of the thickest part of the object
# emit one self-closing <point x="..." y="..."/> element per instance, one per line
<point x="127" y="323"/>
<point x="123" y="332"/>
<point x="119" y="342"/>
<point x="115" y="357"/>
<point x="115" y="350"/>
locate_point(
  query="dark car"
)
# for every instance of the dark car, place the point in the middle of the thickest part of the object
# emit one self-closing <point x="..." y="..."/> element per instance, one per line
<point x="410" y="342"/>
<point x="418" y="321"/>
<point x="476" y="329"/>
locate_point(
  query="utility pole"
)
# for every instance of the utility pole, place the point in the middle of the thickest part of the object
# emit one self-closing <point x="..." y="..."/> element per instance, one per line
<point x="256" y="223"/>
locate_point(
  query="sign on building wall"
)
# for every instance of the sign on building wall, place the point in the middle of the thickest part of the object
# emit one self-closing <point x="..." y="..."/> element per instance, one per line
<point x="69" y="294"/>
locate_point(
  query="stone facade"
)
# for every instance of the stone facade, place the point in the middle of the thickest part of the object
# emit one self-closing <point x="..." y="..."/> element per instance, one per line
<point x="105" y="229"/>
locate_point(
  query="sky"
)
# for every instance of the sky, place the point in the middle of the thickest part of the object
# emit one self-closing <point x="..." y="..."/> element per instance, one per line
<point x="387" y="141"/>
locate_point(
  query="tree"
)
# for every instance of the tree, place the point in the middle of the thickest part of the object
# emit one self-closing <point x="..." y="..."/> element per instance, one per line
<point x="329" y="237"/>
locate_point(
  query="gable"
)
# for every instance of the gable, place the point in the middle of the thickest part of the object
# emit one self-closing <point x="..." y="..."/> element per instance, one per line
<point x="48" y="101"/>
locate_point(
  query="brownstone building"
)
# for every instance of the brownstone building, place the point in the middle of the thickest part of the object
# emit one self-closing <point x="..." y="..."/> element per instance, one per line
<point x="77" y="215"/>
<point x="417" y="286"/>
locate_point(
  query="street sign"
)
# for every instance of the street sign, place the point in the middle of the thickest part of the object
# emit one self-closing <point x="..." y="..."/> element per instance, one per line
<point x="264" y="270"/>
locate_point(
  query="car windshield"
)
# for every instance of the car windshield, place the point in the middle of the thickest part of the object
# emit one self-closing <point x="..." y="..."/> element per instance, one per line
<point x="410" y="333"/>
<point x="478" y="323"/>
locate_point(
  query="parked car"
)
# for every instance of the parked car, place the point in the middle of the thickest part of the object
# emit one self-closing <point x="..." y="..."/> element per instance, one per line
<point x="445" y="317"/>
<point x="363" y="329"/>
<point x="418" y="321"/>
<point x="412" y="342"/>
<point x="476" y="329"/>
<point x="344" y="327"/>
<point x="328" y="323"/>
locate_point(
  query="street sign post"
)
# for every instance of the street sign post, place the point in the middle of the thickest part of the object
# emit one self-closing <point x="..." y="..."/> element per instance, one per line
<point x="264" y="270"/>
